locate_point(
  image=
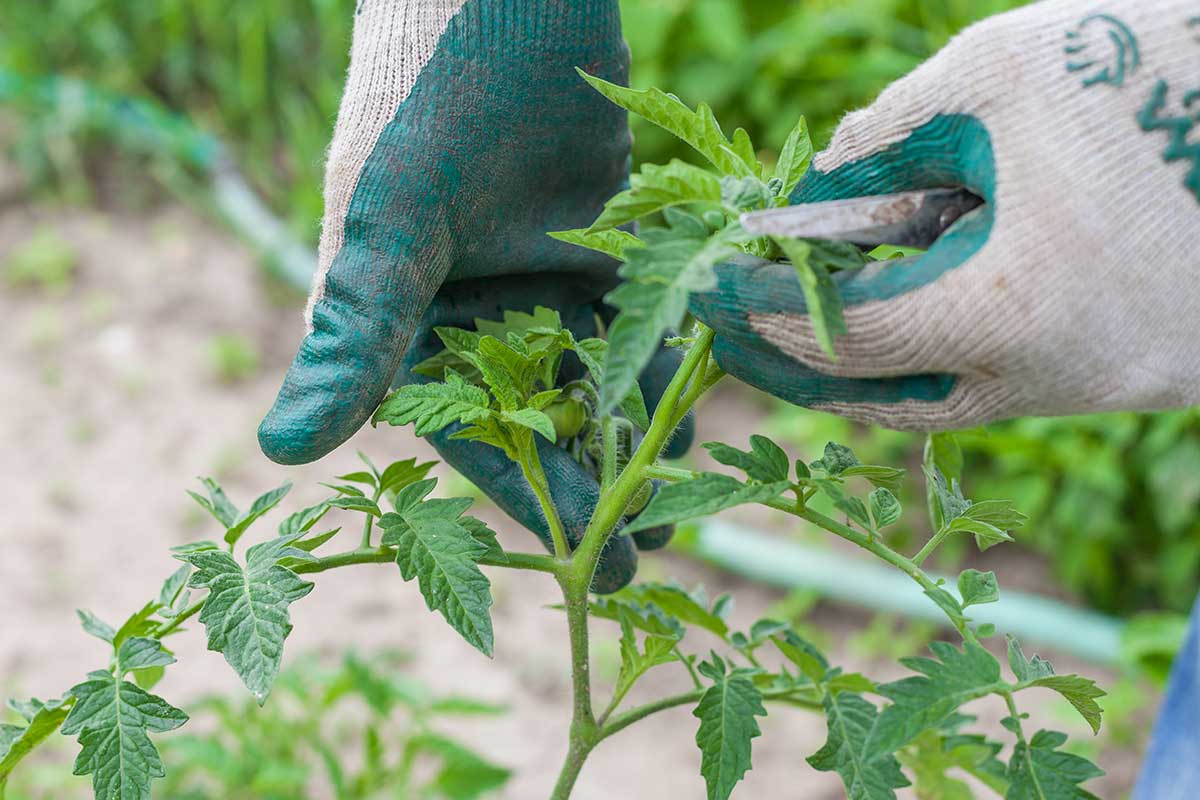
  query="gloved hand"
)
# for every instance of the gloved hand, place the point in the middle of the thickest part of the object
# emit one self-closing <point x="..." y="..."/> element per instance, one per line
<point x="1072" y="290"/>
<point x="464" y="135"/>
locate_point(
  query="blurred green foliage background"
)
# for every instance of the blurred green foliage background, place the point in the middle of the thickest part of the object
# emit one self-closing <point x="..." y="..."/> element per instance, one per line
<point x="1113" y="499"/>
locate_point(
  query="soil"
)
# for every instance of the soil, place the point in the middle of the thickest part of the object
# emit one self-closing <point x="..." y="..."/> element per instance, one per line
<point x="112" y="407"/>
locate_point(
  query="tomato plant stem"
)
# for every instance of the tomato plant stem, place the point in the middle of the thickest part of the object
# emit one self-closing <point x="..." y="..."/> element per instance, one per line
<point x="613" y="502"/>
<point x="535" y="476"/>
<point x="584" y="731"/>
<point x="934" y="542"/>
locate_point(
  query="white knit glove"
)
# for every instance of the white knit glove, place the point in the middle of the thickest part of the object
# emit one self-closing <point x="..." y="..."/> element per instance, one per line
<point x="1075" y="289"/>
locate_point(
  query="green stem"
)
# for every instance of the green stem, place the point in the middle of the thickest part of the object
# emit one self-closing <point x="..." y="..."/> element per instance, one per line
<point x="688" y="665"/>
<point x="584" y="731"/>
<point x="672" y="474"/>
<point x="701" y="383"/>
<point x="366" y="534"/>
<point x="622" y="721"/>
<point x="873" y="545"/>
<point x="183" y="616"/>
<point x="613" y="503"/>
<point x="386" y="555"/>
<point x="536" y="477"/>
<point x="608" y="459"/>
<point x="934" y="543"/>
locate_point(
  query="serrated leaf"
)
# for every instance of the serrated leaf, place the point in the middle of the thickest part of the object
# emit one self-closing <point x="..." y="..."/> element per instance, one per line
<point x="261" y="505"/>
<point x="94" y="626"/>
<point x="594" y="354"/>
<point x="217" y="503"/>
<point x="645" y="617"/>
<point x="943" y="452"/>
<point x="363" y="504"/>
<point x="637" y="661"/>
<point x="765" y="462"/>
<point x="946" y="498"/>
<point x="936" y="755"/>
<point x="246" y="613"/>
<point x="1080" y="692"/>
<point x="435" y="547"/>
<point x="311" y="543"/>
<point x="925" y="701"/>
<point x="16" y="742"/>
<point x="655" y="188"/>
<point x="977" y="587"/>
<point x="948" y="603"/>
<point x="458" y="341"/>
<point x="141" y="652"/>
<point x="689" y="608"/>
<point x="803" y="654"/>
<point x="533" y="419"/>
<point x="173" y="585"/>
<point x="367" y="478"/>
<point x="851" y="506"/>
<point x="659" y="277"/>
<point x="1040" y="771"/>
<point x="113" y="719"/>
<point x="1001" y="514"/>
<point x="707" y="494"/>
<point x="882" y="477"/>
<point x="986" y="536"/>
<point x="434" y="406"/>
<point x="1027" y="669"/>
<point x="794" y="158"/>
<point x="822" y="299"/>
<point x="727" y="726"/>
<point x="139" y="623"/>
<point x="508" y="373"/>
<point x="303" y="519"/>
<point x="743" y="148"/>
<point x="399" y="474"/>
<point x="698" y="128"/>
<point x="613" y="243"/>
<point x="485" y="536"/>
<point x="850" y="718"/>
<point x="836" y="459"/>
<point x="885" y="508"/>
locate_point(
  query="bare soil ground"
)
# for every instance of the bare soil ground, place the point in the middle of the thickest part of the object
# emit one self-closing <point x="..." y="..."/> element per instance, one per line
<point x="111" y="409"/>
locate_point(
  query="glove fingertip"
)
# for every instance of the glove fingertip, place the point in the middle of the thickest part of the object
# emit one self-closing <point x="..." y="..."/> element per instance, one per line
<point x="654" y="538"/>
<point x="617" y="566"/>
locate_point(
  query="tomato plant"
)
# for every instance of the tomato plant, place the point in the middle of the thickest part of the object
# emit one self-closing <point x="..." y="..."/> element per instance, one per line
<point x="500" y="385"/>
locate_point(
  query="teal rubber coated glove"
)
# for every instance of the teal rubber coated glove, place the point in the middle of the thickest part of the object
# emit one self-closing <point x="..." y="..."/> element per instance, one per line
<point x="573" y="488"/>
<point x="464" y="135"/>
<point x="1071" y="291"/>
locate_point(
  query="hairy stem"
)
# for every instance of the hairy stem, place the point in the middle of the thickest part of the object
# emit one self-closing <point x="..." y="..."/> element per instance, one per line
<point x="613" y="503"/>
<point x="535" y="476"/>
<point x="584" y="731"/>
<point x="608" y="460"/>
<point x="804" y="698"/>
<point x="386" y="555"/>
<point x="614" y="499"/>
<point x="368" y="524"/>
<point x="874" y="546"/>
<point x="934" y="543"/>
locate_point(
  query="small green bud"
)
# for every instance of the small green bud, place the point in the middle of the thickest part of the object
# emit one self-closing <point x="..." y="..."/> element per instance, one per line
<point x="568" y="415"/>
<point x="714" y="220"/>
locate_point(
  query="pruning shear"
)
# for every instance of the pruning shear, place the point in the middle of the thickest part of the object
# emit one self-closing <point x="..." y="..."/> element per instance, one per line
<point x="908" y="219"/>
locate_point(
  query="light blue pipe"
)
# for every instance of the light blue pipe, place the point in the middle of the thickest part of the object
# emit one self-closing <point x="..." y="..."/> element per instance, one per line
<point x="792" y="565"/>
<point x="143" y="126"/>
